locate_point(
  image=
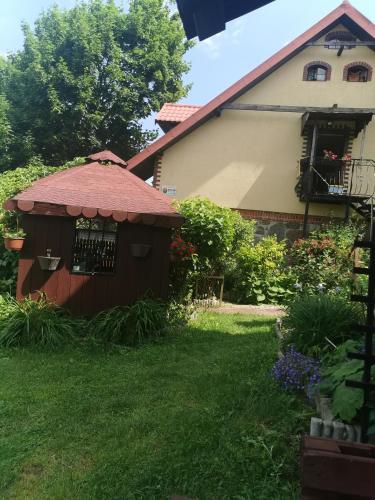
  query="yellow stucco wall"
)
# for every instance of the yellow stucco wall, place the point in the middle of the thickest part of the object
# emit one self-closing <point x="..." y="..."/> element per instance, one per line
<point x="249" y="160"/>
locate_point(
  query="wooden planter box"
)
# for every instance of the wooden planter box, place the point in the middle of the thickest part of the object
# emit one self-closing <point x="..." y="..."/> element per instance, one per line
<point x="337" y="470"/>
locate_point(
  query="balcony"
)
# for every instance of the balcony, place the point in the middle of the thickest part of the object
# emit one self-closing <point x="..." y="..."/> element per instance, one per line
<point x="336" y="181"/>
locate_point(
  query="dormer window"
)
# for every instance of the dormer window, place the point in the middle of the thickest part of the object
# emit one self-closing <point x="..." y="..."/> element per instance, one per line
<point x="317" y="72"/>
<point x="358" y="72"/>
<point x="337" y="39"/>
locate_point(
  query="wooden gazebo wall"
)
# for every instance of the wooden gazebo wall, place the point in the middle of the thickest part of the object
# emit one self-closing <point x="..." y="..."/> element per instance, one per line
<point x="89" y="294"/>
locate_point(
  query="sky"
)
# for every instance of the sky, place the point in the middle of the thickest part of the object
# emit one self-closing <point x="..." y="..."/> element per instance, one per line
<point x="219" y="61"/>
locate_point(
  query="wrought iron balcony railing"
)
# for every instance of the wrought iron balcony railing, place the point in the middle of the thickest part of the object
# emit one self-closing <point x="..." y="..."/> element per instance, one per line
<point x="336" y="178"/>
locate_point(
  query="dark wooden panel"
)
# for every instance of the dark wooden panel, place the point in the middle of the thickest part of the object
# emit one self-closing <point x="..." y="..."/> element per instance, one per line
<point x="66" y="245"/>
<point x="86" y="294"/>
<point x="26" y="258"/>
<point x="337" y="467"/>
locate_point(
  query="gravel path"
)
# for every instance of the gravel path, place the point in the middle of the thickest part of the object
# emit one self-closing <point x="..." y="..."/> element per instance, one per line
<point x="262" y="310"/>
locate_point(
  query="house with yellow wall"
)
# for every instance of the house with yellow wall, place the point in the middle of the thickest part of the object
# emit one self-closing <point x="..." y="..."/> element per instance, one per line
<point x="291" y="144"/>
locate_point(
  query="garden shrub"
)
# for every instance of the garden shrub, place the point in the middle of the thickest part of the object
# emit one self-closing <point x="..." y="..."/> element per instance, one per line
<point x="346" y="401"/>
<point x="324" y="259"/>
<point x="312" y="319"/>
<point x="260" y="274"/>
<point x="214" y="234"/>
<point x="130" y="325"/>
<point x="211" y="229"/>
<point x="35" y="323"/>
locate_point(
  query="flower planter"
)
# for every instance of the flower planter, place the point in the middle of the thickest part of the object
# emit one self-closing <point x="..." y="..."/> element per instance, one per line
<point x="14" y="244"/>
<point x="336" y="469"/>
<point x="140" y="250"/>
<point x="48" y="263"/>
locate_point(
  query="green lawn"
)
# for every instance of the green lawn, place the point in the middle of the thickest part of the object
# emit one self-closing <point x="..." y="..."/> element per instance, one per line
<point x="194" y="414"/>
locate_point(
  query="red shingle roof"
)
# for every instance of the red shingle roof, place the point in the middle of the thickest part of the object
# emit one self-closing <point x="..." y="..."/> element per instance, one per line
<point x="91" y="189"/>
<point x="142" y="163"/>
<point x="107" y="156"/>
<point x="176" y="113"/>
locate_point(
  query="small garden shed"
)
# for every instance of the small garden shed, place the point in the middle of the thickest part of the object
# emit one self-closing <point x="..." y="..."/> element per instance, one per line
<point x="108" y="230"/>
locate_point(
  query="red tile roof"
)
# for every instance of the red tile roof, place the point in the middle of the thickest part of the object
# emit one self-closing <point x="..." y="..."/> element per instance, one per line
<point x="176" y="113"/>
<point x="141" y="164"/>
<point x="109" y="190"/>
<point x="107" y="156"/>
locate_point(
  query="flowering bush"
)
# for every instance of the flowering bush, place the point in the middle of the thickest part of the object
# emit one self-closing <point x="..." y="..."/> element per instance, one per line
<point x="296" y="372"/>
<point x="181" y="249"/>
<point x="323" y="261"/>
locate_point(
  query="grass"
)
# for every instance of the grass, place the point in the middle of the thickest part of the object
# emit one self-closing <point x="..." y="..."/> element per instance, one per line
<point x="194" y="413"/>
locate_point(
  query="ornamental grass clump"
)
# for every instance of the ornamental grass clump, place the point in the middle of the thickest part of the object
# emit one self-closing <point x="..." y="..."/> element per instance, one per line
<point x="314" y="322"/>
<point x="130" y="325"/>
<point x="296" y="372"/>
<point x="38" y="323"/>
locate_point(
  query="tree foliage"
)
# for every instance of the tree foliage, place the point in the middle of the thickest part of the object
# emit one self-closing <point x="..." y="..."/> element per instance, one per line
<point x="87" y="76"/>
<point x="11" y="183"/>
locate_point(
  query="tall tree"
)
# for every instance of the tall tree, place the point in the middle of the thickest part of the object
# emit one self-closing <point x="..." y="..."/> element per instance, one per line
<point x="87" y="76"/>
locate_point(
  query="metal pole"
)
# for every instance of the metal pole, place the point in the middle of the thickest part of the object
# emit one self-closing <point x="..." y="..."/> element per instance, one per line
<point x="309" y="180"/>
<point x="363" y="142"/>
<point x="365" y="414"/>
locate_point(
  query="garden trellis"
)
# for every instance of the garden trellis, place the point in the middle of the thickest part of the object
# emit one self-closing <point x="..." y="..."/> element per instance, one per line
<point x="367" y="356"/>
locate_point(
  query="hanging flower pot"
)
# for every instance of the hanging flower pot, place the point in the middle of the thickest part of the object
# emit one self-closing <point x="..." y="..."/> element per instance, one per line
<point x="14" y="240"/>
<point x="48" y="263"/>
<point x="140" y="250"/>
<point x="14" y="244"/>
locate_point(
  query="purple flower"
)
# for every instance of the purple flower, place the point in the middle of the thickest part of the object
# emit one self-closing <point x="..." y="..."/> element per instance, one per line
<point x="297" y="372"/>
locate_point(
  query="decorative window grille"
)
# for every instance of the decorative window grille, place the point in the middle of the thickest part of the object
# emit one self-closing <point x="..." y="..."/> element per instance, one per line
<point x="317" y="74"/>
<point x="95" y="246"/>
<point x="357" y="74"/>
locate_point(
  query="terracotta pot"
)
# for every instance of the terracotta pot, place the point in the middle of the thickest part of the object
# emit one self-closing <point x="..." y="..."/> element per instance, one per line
<point x="14" y="244"/>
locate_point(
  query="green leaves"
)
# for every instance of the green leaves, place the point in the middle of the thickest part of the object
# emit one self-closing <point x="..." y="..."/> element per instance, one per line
<point x="312" y="319"/>
<point x="210" y="228"/>
<point x="346" y="402"/>
<point x="86" y="77"/>
<point x="260" y="273"/>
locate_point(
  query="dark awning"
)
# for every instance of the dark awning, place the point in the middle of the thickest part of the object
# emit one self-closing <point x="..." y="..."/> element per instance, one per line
<point x="358" y="119"/>
<point x="204" y="18"/>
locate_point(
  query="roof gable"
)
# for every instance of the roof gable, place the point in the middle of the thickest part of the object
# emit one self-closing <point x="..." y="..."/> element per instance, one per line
<point x="142" y="163"/>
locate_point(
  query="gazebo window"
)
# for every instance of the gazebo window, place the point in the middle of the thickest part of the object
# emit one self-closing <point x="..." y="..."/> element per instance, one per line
<point x="357" y="74"/>
<point x="317" y="74"/>
<point x="95" y="246"/>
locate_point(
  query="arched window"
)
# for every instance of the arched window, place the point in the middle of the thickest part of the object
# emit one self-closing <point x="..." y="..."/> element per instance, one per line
<point x="317" y="72"/>
<point x="358" y="72"/>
